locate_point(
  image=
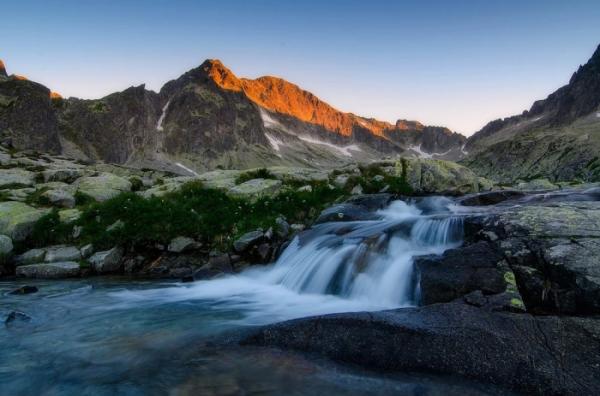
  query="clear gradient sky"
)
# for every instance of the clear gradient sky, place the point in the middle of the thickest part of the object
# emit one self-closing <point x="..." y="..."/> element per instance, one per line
<point x="453" y="63"/>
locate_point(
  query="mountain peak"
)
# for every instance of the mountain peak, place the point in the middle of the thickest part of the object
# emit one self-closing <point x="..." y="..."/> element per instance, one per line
<point x="2" y="69"/>
<point x="221" y="75"/>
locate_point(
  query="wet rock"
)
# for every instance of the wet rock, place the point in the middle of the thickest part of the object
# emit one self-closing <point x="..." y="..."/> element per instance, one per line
<point x="57" y="270"/>
<point x="554" y="252"/>
<point x="546" y="355"/>
<point x="371" y="202"/>
<point x="461" y="271"/>
<point x="248" y="240"/>
<point x="107" y="261"/>
<point x="62" y="253"/>
<point x="187" y="279"/>
<point x="16" y="317"/>
<point x="346" y="212"/>
<point x="216" y="265"/>
<point x="6" y="245"/>
<point x="182" y="244"/>
<point x="357" y="190"/>
<point x="490" y="198"/>
<point x="282" y="227"/>
<point x="25" y="290"/>
<point x="17" y="219"/>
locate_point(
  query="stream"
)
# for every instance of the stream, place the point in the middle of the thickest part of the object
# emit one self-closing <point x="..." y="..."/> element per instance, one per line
<point x="111" y="335"/>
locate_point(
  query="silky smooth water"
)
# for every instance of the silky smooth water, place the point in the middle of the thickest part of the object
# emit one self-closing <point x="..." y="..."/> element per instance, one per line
<point x="112" y="336"/>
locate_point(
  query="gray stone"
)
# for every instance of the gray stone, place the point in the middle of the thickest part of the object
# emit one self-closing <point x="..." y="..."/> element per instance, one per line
<point x="307" y="188"/>
<point x="60" y="198"/>
<point x="6" y="245"/>
<point x="182" y="244"/>
<point x="67" y="269"/>
<point x="248" y="240"/>
<point x="357" y="190"/>
<point x="62" y="253"/>
<point x="30" y="257"/>
<point x="67" y="175"/>
<point x="256" y="188"/>
<point x="16" y="177"/>
<point x="103" y="186"/>
<point x="341" y="180"/>
<point x="107" y="261"/>
<point x="87" y="250"/>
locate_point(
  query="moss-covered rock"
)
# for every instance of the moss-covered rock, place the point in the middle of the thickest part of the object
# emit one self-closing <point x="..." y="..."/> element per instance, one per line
<point x="18" y="219"/>
<point x="16" y="177"/>
<point x="256" y="188"/>
<point x="437" y="176"/>
<point x="103" y="186"/>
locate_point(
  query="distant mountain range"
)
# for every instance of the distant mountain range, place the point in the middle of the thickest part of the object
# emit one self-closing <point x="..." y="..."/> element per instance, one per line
<point x="209" y="118"/>
<point x="558" y="138"/>
<point x="205" y="119"/>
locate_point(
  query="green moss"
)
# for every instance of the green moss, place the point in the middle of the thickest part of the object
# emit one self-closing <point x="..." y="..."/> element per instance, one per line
<point x="82" y="199"/>
<point x="38" y="199"/>
<point x="98" y="107"/>
<point x="517" y="303"/>
<point x="49" y="230"/>
<point x="136" y="183"/>
<point x="262" y="173"/>
<point x="206" y="214"/>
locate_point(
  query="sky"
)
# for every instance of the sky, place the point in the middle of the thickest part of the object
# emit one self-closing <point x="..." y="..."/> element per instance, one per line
<point x="456" y="63"/>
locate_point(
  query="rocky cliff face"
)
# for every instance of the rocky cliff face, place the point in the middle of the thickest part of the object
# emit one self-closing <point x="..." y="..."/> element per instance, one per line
<point x="209" y="118"/>
<point x="558" y="138"/>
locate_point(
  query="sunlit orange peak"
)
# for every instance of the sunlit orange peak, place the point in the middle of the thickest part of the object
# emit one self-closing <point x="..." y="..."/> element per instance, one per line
<point x="19" y="77"/>
<point x="55" y="95"/>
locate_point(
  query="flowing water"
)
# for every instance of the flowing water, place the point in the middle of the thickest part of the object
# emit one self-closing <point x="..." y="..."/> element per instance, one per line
<point x="113" y="336"/>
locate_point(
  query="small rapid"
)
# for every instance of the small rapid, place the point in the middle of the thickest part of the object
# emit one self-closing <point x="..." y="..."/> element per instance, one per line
<point x="332" y="267"/>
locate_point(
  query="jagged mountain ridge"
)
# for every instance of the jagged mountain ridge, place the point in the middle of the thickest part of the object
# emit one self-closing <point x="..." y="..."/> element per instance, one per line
<point x="208" y="118"/>
<point x="558" y="138"/>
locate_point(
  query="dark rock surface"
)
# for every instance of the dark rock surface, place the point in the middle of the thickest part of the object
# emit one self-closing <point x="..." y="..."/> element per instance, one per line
<point x="534" y="355"/>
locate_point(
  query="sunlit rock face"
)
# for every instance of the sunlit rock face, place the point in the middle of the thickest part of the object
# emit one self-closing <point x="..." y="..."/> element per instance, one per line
<point x="209" y="118"/>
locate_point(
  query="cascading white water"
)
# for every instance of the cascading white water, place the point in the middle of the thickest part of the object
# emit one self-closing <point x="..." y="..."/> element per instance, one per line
<point x="334" y="267"/>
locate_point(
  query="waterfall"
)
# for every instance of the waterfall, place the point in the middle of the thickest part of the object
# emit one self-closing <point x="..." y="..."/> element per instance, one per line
<point x="332" y="267"/>
<point x="371" y="261"/>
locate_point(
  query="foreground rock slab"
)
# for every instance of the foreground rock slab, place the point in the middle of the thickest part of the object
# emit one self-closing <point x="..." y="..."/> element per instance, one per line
<point x="66" y="269"/>
<point x="535" y="355"/>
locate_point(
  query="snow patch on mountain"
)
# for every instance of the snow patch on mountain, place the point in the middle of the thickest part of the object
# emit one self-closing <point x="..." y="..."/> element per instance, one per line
<point x="426" y="155"/>
<point x="159" y="124"/>
<point x="185" y="168"/>
<point x="344" y="150"/>
<point x="275" y="143"/>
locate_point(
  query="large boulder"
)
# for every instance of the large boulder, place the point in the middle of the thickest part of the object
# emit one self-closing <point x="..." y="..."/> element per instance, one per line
<point x="103" y="186"/>
<point x="62" y="253"/>
<point x="553" y="250"/>
<point x="107" y="261"/>
<point x="60" y="198"/>
<point x="65" y="269"/>
<point x="17" y="219"/>
<point x="256" y="188"/>
<point x="181" y="244"/>
<point x="438" y="176"/>
<point x="546" y="355"/>
<point x="16" y="177"/>
<point x="248" y="240"/>
<point x="458" y="272"/>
